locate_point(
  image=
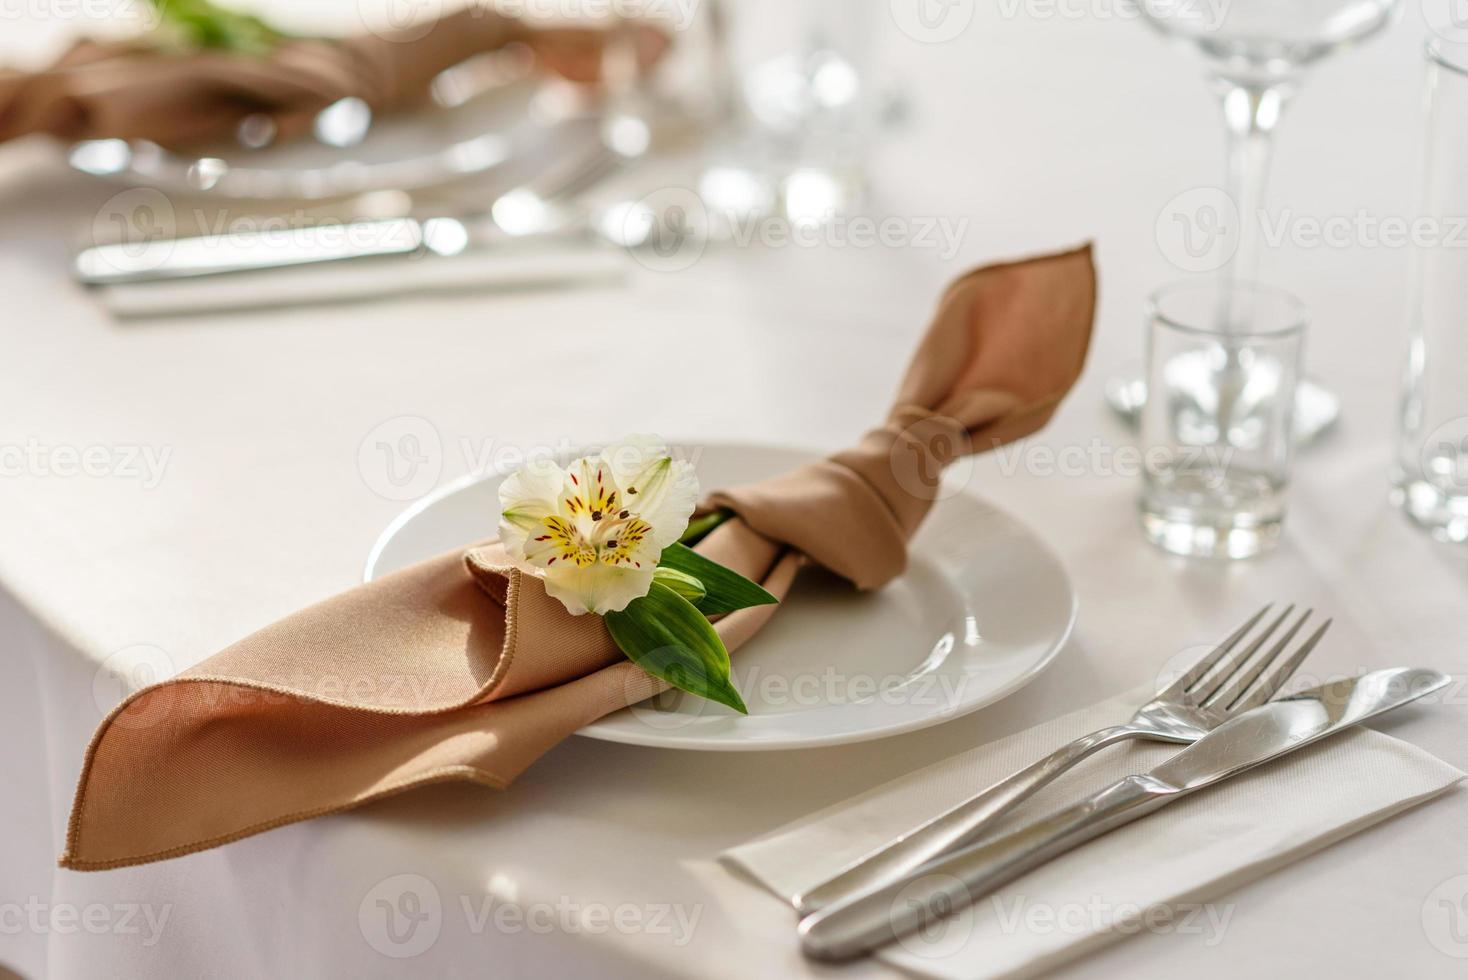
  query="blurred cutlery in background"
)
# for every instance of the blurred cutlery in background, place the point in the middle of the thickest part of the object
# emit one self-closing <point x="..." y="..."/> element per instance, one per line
<point x="509" y="271"/>
<point x="539" y="208"/>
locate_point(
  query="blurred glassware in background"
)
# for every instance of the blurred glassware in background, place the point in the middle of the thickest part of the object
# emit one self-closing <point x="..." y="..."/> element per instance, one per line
<point x="1256" y="53"/>
<point x="804" y="105"/>
<point x="1431" y="473"/>
<point x="1216" y="429"/>
<point x="683" y="97"/>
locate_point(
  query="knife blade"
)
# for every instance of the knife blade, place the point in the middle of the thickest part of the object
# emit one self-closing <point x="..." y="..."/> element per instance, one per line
<point x="873" y="918"/>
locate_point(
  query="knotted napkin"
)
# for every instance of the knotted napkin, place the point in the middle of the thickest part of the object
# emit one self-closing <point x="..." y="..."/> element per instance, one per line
<point x="137" y="89"/>
<point x="462" y="667"/>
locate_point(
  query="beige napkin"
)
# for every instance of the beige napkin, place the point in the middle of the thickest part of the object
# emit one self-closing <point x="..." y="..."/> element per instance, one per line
<point x="463" y="667"/>
<point x="1163" y="873"/>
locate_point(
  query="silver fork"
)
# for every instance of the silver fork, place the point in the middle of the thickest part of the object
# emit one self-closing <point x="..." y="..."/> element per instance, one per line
<point x="1223" y="683"/>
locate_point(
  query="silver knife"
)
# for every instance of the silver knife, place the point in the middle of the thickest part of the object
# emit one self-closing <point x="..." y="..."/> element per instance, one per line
<point x="873" y="918"/>
<point x="533" y="211"/>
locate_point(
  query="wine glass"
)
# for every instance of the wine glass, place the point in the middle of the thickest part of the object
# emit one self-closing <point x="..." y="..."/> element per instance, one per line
<point x="1256" y="53"/>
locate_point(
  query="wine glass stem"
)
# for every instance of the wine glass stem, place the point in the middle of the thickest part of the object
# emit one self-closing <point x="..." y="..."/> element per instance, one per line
<point x="1249" y="117"/>
<point x="1250" y="113"/>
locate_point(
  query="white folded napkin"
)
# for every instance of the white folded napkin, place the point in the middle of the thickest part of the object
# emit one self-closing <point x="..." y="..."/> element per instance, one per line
<point x="1156" y="874"/>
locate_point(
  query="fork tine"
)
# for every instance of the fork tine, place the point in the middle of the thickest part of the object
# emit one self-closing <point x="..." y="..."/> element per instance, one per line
<point x="1205" y="664"/>
<point x="1276" y="678"/>
<point x="1206" y="690"/>
<point x="1229" y="692"/>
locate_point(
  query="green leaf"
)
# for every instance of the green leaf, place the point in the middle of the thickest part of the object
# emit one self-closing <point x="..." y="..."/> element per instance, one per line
<point x="682" y="583"/>
<point x="725" y="590"/>
<point x="204" y="24"/>
<point x="700" y="526"/>
<point x="666" y="635"/>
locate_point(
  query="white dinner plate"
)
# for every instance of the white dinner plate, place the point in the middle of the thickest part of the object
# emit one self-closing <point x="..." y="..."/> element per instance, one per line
<point x="983" y="606"/>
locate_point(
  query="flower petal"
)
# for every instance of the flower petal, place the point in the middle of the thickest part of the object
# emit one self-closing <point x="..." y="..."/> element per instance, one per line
<point x="598" y="589"/>
<point x="527" y="497"/>
<point x="629" y="457"/>
<point x="664" y="494"/>
<point x="558" y="540"/>
<point x="631" y="545"/>
<point x="590" y="491"/>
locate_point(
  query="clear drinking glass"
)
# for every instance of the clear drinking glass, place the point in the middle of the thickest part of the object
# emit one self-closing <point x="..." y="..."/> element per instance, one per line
<point x="1223" y="363"/>
<point x="1431" y="473"/>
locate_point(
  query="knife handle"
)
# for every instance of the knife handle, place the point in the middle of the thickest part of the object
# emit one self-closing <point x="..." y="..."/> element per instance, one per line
<point x="957" y="826"/>
<point x="867" y="921"/>
<point x="208" y="255"/>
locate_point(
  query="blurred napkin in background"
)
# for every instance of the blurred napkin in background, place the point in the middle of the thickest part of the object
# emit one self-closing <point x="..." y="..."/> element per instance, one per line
<point x="152" y="87"/>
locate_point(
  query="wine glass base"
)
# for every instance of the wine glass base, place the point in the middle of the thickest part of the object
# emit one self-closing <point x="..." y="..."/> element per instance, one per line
<point x="1317" y="408"/>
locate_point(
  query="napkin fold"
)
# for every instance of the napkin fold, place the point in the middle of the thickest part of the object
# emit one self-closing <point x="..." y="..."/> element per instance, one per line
<point x="1166" y="869"/>
<point x="462" y="667"/>
<point x="135" y="89"/>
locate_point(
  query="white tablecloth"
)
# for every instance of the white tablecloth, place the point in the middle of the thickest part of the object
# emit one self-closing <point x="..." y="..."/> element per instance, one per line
<point x="1041" y="125"/>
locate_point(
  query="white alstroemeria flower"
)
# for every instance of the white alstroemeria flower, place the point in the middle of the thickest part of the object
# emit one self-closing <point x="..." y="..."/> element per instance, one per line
<point x="595" y="530"/>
